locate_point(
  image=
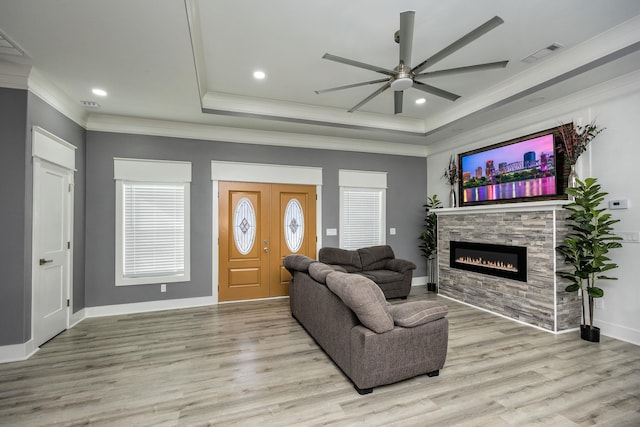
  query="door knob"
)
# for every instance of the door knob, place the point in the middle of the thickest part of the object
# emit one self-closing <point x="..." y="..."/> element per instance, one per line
<point x="44" y="261"/>
<point x="266" y="250"/>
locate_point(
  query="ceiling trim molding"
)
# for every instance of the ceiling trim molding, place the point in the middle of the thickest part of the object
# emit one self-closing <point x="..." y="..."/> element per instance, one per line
<point x="605" y="47"/>
<point x="552" y="112"/>
<point x="49" y="93"/>
<point x="14" y="76"/>
<point x="244" y="106"/>
<point x="140" y="126"/>
<point x="197" y="49"/>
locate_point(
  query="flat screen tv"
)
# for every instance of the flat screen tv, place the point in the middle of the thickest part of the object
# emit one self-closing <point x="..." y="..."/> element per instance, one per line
<point x="530" y="168"/>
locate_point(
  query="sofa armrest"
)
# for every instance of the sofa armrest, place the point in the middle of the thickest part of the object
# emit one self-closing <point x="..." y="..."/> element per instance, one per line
<point x="401" y="353"/>
<point x="400" y="265"/>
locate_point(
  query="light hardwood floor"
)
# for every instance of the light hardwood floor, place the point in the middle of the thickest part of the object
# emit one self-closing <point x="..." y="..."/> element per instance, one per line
<point x="251" y="364"/>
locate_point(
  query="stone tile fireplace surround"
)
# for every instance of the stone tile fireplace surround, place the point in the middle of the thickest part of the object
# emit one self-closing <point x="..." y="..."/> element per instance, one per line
<point x="540" y="227"/>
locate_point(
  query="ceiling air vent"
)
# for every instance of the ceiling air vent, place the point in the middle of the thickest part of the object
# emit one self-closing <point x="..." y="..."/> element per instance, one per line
<point x="542" y="53"/>
<point x="90" y="104"/>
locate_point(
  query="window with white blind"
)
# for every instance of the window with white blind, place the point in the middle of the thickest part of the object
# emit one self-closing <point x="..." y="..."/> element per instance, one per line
<point x="362" y="208"/>
<point x="152" y="221"/>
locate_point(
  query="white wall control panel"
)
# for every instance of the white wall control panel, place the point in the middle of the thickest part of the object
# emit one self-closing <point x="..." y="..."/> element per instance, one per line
<point x="332" y="231"/>
<point x="619" y="204"/>
<point x="392" y="231"/>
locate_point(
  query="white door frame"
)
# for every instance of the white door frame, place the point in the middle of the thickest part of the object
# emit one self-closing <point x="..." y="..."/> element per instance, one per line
<point x="260" y="173"/>
<point x="46" y="147"/>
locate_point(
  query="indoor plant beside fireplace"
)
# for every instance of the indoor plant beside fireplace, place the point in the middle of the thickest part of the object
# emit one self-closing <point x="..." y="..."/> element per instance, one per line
<point x="586" y="247"/>
<point x="429" y="238"/>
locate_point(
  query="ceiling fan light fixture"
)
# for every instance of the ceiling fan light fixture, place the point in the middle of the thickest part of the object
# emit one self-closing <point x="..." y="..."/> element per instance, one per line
<point x="401" y="83"/>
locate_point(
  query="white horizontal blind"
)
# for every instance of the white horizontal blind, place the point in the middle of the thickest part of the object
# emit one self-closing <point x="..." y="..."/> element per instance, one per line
<point x="362" y="217"/>
<point x="154" y="229"/>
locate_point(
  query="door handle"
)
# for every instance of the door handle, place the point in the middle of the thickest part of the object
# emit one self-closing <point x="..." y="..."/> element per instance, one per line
<point x="266" y="250"/>
<point x="44" y="261"/>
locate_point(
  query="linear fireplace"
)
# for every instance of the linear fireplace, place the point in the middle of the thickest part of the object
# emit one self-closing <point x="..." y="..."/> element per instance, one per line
<point x="497" y="260"/>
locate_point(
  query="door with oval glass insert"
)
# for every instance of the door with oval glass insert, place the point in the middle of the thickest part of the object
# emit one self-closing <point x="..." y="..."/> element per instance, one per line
<point x="260" y="224"/>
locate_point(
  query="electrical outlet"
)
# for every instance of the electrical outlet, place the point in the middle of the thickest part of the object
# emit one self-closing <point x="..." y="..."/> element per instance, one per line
<point x="392" y="231"/>
<point x="599" y="303"/>
<point x="163" y="287"/>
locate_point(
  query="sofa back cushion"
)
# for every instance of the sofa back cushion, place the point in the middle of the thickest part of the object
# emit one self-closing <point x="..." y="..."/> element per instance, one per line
<point x="350" y="260"/>
<point x="297" y="262"/>
<point x="319" y="272"/>
<point x="375" y="257"/>
<point x="364" y="298"/>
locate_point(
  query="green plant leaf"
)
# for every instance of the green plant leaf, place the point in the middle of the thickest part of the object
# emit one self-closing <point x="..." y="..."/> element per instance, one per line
<point x="595" y="292"/>
<point x="572" y="288"/>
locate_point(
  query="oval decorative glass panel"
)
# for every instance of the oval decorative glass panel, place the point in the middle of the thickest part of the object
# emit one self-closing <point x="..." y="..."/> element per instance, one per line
<point x="293" y="225"/>
<point x="244" y="226"/>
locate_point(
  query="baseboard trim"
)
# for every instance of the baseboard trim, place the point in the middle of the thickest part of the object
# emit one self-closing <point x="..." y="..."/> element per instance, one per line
<point x="419" y="281"/>
<point x="618" y="332"/>
<point x="143" y="307"/>
<point x="77" y="317"/>
<point x="17" y="352"/>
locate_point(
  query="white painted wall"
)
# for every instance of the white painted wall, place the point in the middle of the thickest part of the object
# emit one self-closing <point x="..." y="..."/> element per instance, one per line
<point x="613" y="158"/>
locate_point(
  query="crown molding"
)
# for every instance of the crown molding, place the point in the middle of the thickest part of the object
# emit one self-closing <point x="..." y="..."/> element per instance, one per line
<point x="551" y="113"/>
<point x="14" y="76"/>
<point x="246" y="106"/>
<point x="140" y="126"/>
<point x="46" y="90"/>
<point x="608" y="46"/>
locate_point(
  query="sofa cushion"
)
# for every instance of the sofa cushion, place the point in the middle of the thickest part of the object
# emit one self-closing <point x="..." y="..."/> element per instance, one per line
<point x="319" y="271"/>
<point x="375" y="257"/>
<point x="350" y="260"/>
<point x="382" y="276"/>
<point x="414" y="313"/>
<point x="364" y="298"/>
<point x="297" y="263"/>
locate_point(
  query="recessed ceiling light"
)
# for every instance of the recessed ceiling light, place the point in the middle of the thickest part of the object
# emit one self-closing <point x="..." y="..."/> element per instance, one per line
<point x="99" y="92"/>
<point x="420" y="101"/>
<point x="259" y="75"/>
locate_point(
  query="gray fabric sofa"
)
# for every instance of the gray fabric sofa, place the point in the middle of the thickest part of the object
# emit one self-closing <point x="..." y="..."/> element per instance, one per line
<point x="377" y="263"/>
<point x="369" y="357"/>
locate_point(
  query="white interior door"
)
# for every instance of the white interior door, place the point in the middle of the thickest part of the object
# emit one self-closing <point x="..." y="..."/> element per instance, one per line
<point x="52" y="223"/>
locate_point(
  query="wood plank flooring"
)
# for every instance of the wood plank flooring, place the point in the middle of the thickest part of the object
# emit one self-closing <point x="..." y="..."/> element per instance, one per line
<point x="250" y="363"/>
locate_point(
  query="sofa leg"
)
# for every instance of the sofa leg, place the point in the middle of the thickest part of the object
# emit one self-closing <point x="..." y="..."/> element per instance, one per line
<point x="363" y="391"/>
<point x="433" y="373"/>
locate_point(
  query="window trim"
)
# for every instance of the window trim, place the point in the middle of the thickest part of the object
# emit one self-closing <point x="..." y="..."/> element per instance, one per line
<point x="150" y="171"/>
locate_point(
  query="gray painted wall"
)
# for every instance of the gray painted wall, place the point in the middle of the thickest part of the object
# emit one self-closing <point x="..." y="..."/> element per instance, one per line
<point x="405" y="196"/>
<point x="13" y="111"/>
<point x="19" y="111"/>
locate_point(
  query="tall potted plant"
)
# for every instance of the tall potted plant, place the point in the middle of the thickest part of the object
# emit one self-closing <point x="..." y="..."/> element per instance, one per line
<point x="586" y="247"/>
<point x="429" y="240"/>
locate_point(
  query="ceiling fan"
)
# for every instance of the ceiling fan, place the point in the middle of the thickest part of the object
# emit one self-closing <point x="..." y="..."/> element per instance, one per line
<point x="403" y="76"/>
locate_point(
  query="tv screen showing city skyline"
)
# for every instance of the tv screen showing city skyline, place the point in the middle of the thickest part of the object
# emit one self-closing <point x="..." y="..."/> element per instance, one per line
<point x="519" y="170"/>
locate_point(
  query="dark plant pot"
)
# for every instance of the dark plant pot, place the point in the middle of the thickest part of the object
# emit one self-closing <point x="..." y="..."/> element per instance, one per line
<point x="432" y="287"/>
<point x="590" y="334"/>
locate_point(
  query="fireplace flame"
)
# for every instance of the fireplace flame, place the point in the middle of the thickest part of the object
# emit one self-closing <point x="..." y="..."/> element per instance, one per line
<point x="498" y="265"/>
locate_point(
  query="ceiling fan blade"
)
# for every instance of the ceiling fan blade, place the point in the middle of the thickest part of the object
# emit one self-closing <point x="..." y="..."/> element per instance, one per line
<point x="478" y="67"/>
<point x="350" y="86"/>
<point x="397" y="102"/>
<point x="370" y="97"/>
<point x="435" y="91"/>
<point x="406" y="37"/>
<point x="459" y="44"/>
<point x="359" y="64"/>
